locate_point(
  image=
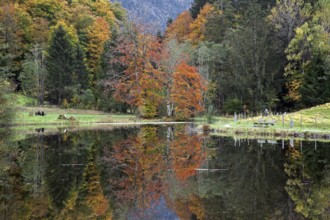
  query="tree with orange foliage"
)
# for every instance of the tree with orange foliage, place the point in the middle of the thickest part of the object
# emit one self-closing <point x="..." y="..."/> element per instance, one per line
<point x="197" y="27"/>
<point x="138" y="85"/>
<point x="172" y="55"/>
<point x="182" y="83"/>
<point x="179" y="28"/>
<point x="187" y="94"/>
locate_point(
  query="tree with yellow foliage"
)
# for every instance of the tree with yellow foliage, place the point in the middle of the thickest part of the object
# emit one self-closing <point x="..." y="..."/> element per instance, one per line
<point x="179" y="28"/>
<point x="197" y="27"/>
<point x="97" y="34"/>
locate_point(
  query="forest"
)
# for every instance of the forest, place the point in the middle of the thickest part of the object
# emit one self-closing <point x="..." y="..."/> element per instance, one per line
<point x="221" y="56"/>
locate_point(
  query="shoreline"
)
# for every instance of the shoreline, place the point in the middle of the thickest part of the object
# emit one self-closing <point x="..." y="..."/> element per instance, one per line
<point x="239" y="132"/>
<point x="274" y="134"/>
<point x="71" y="123"/>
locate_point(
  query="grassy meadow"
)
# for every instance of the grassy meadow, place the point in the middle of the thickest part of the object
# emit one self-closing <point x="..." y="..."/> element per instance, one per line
<point x="26" y="108"/>
<point x="312" y="120"/>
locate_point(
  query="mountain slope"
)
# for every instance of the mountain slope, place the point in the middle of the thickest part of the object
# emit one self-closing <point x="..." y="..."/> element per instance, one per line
<point x="155" y="12"/>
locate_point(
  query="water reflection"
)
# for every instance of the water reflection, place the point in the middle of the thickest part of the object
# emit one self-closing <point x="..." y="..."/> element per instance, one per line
<point x="308" y="184"/>
<point x="162" y="172"/>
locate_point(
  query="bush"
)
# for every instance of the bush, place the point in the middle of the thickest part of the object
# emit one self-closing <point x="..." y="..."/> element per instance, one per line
<point x="65" y="103"/>
<point x="232" y="106"/>
<point x="87" y="99"/>
<point x="181" y="114"/>
<point x="148" y="109"/>
<point x="107" y="103"/>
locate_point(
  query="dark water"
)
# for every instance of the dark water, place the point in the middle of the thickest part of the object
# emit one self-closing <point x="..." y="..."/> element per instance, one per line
<point x="160" y="172"/>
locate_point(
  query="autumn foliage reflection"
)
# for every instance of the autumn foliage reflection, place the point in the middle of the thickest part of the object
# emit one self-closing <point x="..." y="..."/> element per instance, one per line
<point x="308" y="182"/>
<point x="186" y="155"/>
<point x="144" y="163"/>
<point x="87" y="200"/>
<point x="140" y="163"/>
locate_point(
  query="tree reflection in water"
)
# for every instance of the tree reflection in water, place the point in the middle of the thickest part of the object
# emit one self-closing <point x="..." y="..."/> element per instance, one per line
<point x="141" y="164"/>
<point x="308" y="184"/>
<point x="162" y="172"/>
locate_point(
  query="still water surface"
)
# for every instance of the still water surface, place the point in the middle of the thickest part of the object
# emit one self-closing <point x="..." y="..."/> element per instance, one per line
<point x="162" y="172"/>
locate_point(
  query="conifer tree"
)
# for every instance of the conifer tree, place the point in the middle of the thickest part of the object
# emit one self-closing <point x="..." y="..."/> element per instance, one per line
<point x="315" y="88"/>
<point x="60" y="64"/>
<point x="81" y="68"/>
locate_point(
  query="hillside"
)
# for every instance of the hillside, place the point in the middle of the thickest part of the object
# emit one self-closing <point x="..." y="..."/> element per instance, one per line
<point x="155" y="11"/>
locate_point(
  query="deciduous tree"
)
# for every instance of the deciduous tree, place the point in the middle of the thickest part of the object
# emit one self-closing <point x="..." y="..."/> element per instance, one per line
<point x="308" y="67"/>
<point x="187" y="94"/>
<point x="286" y="16"/>
<point x="197" y="27"/>
<point x="178" y="29"/>
<point x="138" y="52"/>
<point x="97" y="34"/>
<point x="172" y="55"/>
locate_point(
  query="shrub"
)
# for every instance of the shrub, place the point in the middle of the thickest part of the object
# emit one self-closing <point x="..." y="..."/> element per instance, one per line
<point x="87" y="99"/>
<point x="65" y="103"/>
<point x="232" y="106"/>
<point x="148" y="109"/>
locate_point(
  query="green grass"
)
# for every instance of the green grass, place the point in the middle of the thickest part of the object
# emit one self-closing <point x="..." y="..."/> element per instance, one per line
<point x="25" y="116"/>
<point x="312" y="120"/>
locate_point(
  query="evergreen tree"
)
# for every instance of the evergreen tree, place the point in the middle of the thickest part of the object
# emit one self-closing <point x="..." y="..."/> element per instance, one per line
<point x="81" y="68"/>
<point x="315" y="88"/>
<point x="60" y="65"/>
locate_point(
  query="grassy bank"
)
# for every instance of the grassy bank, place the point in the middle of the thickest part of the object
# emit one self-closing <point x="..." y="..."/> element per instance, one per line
<point x="26" y="116"/>
<point x="308" y="122"/>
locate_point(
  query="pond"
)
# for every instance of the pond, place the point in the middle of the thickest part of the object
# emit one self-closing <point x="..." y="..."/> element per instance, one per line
<point x="162" y="172"/>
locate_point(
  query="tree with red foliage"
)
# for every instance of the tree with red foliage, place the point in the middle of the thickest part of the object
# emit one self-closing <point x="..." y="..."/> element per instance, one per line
<point x="138" y="51"/>
<point x="187" y="94"/>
